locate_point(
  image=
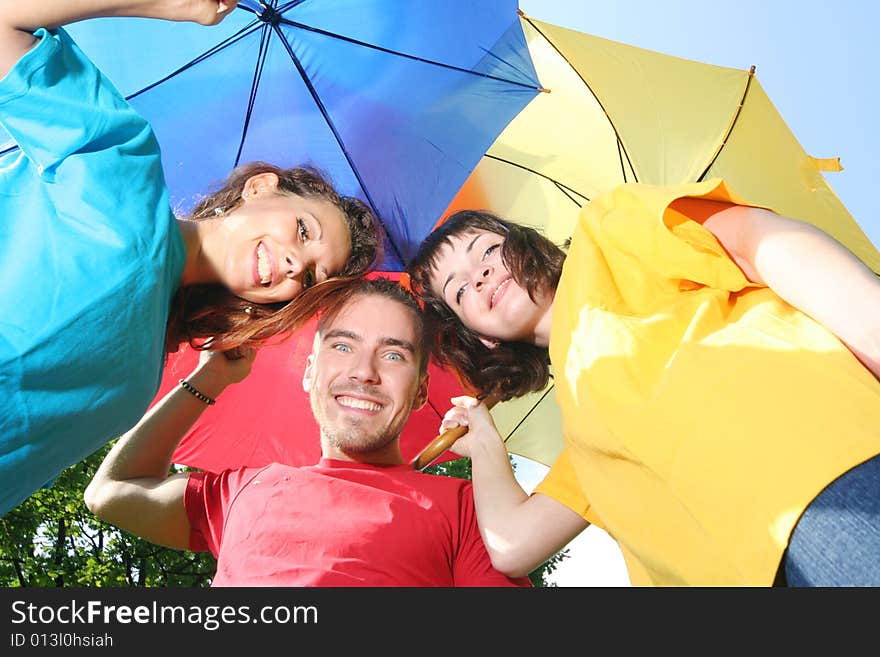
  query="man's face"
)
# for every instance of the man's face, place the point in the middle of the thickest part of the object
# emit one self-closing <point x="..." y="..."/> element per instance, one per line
<point x="363" y="377"/>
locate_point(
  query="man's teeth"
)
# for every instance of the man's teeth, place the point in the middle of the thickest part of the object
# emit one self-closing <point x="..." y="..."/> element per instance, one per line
<point x="264" y="269"/>
<point x="362" y="404"/>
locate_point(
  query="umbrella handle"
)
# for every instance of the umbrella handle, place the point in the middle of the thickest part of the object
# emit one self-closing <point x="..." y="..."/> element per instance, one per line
<point x="443" y="442"/>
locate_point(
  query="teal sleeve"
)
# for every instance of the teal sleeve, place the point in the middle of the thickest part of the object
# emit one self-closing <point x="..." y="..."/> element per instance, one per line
<point x="55" y="103"/>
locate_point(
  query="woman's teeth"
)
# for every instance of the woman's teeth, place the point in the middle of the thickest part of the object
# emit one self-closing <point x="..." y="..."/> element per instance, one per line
<point x="497" y="291"/>
<point x="264" y="269"/>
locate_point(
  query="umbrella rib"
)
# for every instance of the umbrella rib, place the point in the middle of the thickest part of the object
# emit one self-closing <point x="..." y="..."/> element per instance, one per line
<point x="338" y="138"/>
<point x="531" y="410"/>
<point x="289" y="5"/>
<point x="247" y="9"/>
<point x="316" y="30"/>
<point x="562" y="189"/>
<point x="587" y="85"/>
<point x="562" y="186"/>
<point x="238" y="36"/>
<point x="742" y="102"/>
<point x="434" y="408"/>
<point x="258" y="74"/>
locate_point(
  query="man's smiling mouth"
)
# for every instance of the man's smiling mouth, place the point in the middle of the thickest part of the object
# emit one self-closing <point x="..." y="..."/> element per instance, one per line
<point x="360" y="404"/>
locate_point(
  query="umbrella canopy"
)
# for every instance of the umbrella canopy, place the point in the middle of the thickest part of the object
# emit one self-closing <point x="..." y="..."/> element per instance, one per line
<point x="616" y="113"/>
<point x="395" y="101"/>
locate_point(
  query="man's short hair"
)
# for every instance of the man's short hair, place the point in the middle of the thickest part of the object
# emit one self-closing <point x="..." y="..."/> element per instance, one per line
<point x="388" y="289"/>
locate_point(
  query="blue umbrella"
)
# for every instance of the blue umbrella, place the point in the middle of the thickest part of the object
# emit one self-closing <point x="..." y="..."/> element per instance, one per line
<point x="396" y="101"/>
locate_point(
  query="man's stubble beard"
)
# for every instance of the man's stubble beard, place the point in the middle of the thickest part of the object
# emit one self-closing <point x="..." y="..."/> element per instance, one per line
<point x="351" y="438"/>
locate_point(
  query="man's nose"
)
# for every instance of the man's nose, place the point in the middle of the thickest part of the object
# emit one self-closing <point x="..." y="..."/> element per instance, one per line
<point x="364" y="369"/>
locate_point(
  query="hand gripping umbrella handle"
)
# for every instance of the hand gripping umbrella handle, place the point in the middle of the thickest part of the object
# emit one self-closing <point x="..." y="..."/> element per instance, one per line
<point x="443" y="442"/>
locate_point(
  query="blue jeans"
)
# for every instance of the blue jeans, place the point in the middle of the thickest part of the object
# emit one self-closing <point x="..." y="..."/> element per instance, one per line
<point x="836" y="542"/>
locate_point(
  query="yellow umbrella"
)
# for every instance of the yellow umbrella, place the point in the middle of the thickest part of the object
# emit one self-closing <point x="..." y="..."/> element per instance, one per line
<point x="615" y="113"/>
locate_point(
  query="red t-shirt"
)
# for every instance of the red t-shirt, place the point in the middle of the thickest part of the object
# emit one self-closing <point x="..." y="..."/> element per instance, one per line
<point x="339" y="524"/>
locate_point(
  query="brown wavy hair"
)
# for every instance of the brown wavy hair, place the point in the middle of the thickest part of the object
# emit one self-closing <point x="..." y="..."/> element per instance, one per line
<point x="511" y="369"/>
<point x="387" y="289"/>
<point x="210" y="316"/>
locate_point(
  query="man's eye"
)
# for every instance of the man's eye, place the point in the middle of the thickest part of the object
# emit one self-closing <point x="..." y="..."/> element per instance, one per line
<point x="394" y="356"/>
<point x="341" y="347"/>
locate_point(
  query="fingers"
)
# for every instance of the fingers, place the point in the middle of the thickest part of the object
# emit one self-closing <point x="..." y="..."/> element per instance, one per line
<point x="242" y="352"/>
<point x="243" y="355"/>
<point x="248" y="353"/>
<point x="464" y="412"/>
<point x="454" y="417"/>
<point x="225" y="6"/>
<point x="210" y="12"/>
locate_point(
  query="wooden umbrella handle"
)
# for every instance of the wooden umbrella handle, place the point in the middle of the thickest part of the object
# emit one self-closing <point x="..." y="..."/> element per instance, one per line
<point x="443" y="442"/>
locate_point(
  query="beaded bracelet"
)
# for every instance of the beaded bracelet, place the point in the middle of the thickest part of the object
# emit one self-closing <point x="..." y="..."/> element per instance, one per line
<point x="199" y="395"/>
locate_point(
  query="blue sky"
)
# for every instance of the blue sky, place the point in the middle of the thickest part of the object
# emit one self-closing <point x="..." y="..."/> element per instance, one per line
<point x="817" y="62"/>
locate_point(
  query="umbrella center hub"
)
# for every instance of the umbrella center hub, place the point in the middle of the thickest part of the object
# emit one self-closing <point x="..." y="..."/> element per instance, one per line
<point x="270" y="15"/>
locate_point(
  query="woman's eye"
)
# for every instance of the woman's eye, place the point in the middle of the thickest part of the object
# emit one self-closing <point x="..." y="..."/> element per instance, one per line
<point x="490" y="251"/>
<point x="308" y="279"/>
<point x="302" y="229"/>
<point x="459" y="293"/>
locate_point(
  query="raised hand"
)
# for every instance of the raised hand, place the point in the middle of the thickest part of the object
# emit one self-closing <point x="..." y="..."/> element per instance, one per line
<point x="225" y="368"/>
<point x="471" y="413"/>
<point x="18" y="20"/>
<point x="204" y="12"/>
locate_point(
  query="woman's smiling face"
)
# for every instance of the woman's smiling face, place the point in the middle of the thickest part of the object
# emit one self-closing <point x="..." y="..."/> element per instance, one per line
<point x="276" y="245"/>
<point x="472" y="279"/>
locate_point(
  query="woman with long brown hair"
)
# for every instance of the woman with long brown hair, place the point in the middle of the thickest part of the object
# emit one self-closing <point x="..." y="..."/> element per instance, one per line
<point x="100" y="279"/>
<point x="716" y="366"/>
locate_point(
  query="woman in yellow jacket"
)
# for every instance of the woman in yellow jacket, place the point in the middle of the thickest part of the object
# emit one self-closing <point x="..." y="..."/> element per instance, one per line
<point x="716" y="366"/>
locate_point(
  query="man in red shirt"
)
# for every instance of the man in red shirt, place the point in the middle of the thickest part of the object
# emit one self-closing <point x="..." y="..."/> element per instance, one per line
<point x="360" y="517"/>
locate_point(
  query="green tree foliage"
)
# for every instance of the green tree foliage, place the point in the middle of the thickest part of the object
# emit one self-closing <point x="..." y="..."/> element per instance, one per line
<point x="462" y="468"/>
<point x="52" y="539"/>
